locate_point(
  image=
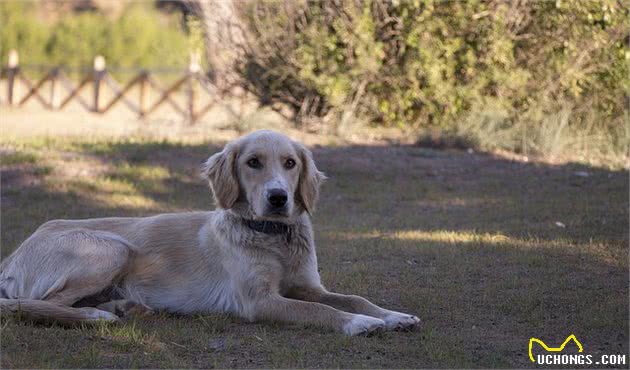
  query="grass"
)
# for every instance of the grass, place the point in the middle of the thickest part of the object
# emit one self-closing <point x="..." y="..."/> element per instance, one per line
<point x="555" y="138"/>
<point x="488" y="252"/>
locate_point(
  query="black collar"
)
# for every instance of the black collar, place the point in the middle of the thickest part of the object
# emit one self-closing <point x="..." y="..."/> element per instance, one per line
<point x="268" y="227"/>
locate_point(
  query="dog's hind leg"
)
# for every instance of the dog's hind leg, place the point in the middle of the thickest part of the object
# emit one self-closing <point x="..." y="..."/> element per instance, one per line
<point x="54" y="269"/>
<point x="95" y="260"/>
<point x="39" y="310"/>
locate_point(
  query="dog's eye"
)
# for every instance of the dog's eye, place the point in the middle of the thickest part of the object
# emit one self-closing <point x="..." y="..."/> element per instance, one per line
<point x="254" y="163"/>
<point x="289" y="164"/>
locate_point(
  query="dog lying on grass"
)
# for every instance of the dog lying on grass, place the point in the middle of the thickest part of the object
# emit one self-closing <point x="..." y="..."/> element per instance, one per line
<point x="253" y="257"/>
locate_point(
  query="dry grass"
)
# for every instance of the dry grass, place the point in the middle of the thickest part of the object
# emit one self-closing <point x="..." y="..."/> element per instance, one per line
<point x="468" y="242"/>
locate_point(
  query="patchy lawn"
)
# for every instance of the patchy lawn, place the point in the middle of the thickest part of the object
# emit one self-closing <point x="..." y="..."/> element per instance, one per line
<point x="487" y="252"/>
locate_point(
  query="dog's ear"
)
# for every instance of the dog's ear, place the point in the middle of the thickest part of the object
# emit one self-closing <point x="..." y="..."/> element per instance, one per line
<point x="220" y="171"/>
<point x="310" y="180"/>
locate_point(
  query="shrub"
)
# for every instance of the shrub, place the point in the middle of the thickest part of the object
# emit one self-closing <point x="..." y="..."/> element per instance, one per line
<point x="21" y="31"/>
<point x="412" y="63"/>
<point x="494" y="67"/>
<point x="140" y="37"/>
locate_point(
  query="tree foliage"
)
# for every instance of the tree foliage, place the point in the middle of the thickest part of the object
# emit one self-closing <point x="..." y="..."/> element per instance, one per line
<point x="418" y="63"/>
<point x="140" y="37"/>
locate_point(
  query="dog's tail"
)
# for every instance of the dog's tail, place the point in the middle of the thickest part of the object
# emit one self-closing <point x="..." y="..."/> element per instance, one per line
<point x="39" y="310"/>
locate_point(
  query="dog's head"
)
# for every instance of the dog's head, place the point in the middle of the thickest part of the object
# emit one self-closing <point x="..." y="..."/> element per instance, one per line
<point x="264" y="175"/>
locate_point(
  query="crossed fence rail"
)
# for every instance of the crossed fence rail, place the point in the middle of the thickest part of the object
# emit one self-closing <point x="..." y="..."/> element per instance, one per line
<point x="99" y="76"/>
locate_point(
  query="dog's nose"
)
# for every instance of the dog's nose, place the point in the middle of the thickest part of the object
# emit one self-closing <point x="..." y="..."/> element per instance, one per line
<point x="277" y="197"/>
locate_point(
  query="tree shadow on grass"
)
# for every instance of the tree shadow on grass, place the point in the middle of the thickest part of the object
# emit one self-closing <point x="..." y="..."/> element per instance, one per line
<point x="495" y="251"/>
<point x="137" y="179"/>
<point x="488" y="251"/>
<point x="410" y="188"/>
<point x="486" y="298"/>
<point x="373" y="188"/>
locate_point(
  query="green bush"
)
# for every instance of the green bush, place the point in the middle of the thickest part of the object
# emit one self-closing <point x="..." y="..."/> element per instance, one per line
<point x="510" y="67"/>
<point x="140" y="37"/>
<point x="426" y="63"/>
<point x="76" y="40"/>
<point x="17" y="28"/>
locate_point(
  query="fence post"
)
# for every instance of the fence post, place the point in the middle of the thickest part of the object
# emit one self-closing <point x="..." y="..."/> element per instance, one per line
<point x="13" y="66"/>
<point x="193" y="68"/>
<point x="143" y="93"/>
<point x="98" y="73"/>
<point x="54" y="89"/>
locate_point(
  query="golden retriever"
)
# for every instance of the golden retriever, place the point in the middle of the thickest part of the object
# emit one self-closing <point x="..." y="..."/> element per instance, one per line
<point x="254" y="256"/>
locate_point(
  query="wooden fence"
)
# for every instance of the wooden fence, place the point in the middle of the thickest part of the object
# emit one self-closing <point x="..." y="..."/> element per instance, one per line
<point x="98" y="77"/>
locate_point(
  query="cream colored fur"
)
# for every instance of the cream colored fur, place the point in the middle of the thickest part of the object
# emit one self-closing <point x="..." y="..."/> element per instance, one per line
<point x="198" y="261"/>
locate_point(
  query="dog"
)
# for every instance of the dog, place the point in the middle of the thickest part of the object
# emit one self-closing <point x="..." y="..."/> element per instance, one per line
<point x="254" y="256"/>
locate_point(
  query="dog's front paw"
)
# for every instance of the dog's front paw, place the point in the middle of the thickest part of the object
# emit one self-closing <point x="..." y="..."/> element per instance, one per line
<point x="362" y="324"/>
<point x="400" y="321"/>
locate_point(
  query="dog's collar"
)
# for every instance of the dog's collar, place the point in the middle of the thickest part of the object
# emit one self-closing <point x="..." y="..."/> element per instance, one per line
<point x="268" y="227"/>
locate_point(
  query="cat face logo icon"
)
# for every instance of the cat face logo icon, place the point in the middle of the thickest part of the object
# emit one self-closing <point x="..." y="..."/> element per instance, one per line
<point x="553" y="349"/>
